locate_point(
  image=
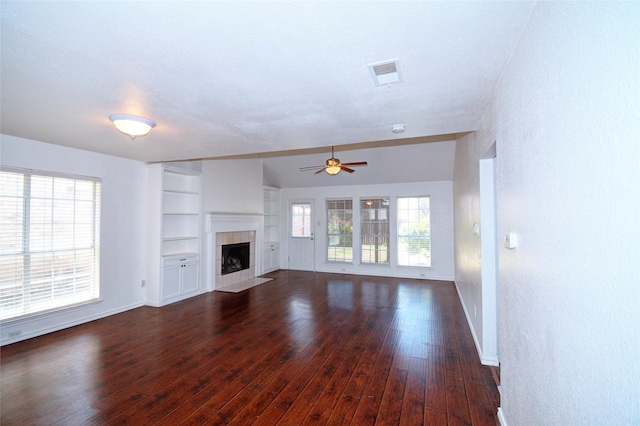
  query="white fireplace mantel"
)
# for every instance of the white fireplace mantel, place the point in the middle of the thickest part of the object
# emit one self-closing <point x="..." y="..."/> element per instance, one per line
<point x="230" y="222"/>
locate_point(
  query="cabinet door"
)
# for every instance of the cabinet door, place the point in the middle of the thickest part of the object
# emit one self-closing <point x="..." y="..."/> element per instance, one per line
<point x="275" y="256"/>
<point x="271" y="256"/>
<point x="189" y="277"/>
<point x="170" y="282"/>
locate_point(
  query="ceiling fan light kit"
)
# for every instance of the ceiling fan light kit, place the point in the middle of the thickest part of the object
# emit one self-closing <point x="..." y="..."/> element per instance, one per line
<point x="333" y="166"/>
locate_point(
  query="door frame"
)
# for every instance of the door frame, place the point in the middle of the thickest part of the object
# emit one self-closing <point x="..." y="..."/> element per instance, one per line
<point x="312" y="238"/>
<point x="489" y="260"/>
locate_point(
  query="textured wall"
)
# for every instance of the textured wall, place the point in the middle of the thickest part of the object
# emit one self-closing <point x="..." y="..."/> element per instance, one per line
<point x="466" y="187"/>
<point x="567" y="120"/>
<point x="232" y="186"/>
<point x="123" y="237"/>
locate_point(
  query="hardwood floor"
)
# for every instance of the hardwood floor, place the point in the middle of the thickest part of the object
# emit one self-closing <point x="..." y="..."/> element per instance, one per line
<point x="304" y="348"/>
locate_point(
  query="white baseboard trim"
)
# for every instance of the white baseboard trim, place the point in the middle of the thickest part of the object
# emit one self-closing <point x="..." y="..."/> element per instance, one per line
<point x="466" y="314"/>
<point x="67" y="324"/>
<point x="484" y="360"/>
<point x="382" y="273"/>
<point x="501" y="418"/>
<point x="489" y="361"/>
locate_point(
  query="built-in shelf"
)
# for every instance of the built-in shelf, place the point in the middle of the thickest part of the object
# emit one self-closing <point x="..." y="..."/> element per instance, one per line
<point x="271" y="214"/>
<point x="271" y="249"/>
<point x="180" y="192"/>
<point x="174" y="265"/>
<point x="181" y="255"/>
<point x="180" y="238"/>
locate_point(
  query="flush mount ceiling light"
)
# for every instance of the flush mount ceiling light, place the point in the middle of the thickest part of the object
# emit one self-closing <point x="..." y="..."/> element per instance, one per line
<point x="385" y="73"/>
<point x="132" y="125"/>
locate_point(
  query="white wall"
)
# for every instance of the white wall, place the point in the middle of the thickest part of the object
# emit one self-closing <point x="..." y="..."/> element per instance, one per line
<point x="441" y="194"/>
<point x="468" y="268"/>
<point x="566" y="120"/>
<point x="232" y="186"/>
<point x="419" y="162"/>
<point x="122" y="237"/>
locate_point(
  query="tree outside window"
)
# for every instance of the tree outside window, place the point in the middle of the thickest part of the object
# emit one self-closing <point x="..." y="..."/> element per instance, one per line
<point x="340" y="230"/>
<point x="414" y="231"/>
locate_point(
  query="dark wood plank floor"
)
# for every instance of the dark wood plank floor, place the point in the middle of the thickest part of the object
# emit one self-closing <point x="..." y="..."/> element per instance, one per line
<point x="305" y="348"/>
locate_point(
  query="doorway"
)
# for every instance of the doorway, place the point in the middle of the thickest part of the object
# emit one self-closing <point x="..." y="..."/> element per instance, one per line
<point x="301" y="237"/>
<point x="489" y="250"/>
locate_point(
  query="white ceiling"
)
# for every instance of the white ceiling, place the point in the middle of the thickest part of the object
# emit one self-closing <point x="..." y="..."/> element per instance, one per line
<point x="232" y="78"/>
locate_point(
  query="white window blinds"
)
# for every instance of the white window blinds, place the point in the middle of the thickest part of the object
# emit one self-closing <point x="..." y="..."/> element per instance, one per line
<point x="414" y="231"/>
<point x="340" y="230"/>
<point x="49" y="241"/>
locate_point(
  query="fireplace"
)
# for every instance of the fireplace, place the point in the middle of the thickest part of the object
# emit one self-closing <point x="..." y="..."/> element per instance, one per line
<point x="235" y="257"/>
<point x="229" y="229"/>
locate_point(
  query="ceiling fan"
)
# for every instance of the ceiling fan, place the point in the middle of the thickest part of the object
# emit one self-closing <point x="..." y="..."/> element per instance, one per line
<point x="333" y="166"/>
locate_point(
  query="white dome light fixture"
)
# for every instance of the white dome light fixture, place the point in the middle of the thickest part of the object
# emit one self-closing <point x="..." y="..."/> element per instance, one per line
<point x="132" y="125"/>
<point x="333" y="166"/>
<point x="397" y="128"/>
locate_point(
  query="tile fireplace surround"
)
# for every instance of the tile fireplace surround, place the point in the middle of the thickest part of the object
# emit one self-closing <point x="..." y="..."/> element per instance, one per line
<point x="231" y="228"/>
<point x="225" y="238"/>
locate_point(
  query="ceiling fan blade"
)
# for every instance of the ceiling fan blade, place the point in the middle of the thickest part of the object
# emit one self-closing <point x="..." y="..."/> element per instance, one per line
<point x="309" y="168"/>
<point x="332" y="163"/>
<point x="359" y="163"/>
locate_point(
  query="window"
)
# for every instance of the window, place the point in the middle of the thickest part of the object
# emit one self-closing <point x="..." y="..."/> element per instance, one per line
<point x="374" y="219"/>
<point x="414" y="231"/>
<point x="301" y="220"/>
<point x="340" y="230"/>
<point x="49" y="242"/>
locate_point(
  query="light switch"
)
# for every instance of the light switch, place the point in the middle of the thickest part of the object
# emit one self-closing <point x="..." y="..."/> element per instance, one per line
<point x="510" y="241"/>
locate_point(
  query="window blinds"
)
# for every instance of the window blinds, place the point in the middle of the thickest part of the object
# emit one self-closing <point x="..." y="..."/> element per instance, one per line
<point x="414" y="231"/>
<point x="49" y="241"/>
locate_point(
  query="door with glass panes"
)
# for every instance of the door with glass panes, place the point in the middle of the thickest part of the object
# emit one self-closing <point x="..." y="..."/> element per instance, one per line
<point x="301" y="239"/>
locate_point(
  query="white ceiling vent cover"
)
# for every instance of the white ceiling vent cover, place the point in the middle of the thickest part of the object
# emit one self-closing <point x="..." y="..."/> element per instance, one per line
<point x="387" y="72"/>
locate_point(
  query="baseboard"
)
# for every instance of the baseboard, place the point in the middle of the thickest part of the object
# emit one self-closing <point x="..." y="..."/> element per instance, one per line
<point x="466" y="315"/>
<point x="67" y="324"/>
<point x="501" y="418"/>
<point x="483" y="360"/>
<point x="159" y="304"/>
<point x="383" y="273"/>
<point x="489" y="361"/>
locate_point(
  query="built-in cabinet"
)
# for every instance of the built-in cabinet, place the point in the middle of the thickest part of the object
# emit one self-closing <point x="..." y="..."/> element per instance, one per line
<point x="179" y="277"/>
<point x="271" y="246"/>
<point x="271" y="257"/>
<point x="174" y="228"/>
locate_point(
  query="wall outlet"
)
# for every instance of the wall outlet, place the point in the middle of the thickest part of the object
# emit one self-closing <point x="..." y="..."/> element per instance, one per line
<point x="143" y="283"/>
<point x="16" y="333"/>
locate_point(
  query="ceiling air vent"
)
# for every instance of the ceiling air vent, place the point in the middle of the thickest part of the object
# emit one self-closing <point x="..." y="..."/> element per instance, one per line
<point x="386" y="72"/>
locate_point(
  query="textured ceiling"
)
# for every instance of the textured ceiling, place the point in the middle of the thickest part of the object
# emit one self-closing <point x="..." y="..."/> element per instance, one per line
<point x="234" y="78"/>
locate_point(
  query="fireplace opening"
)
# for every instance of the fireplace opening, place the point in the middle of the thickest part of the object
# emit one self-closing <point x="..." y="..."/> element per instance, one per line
<point x="235" y="257"/>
